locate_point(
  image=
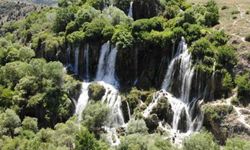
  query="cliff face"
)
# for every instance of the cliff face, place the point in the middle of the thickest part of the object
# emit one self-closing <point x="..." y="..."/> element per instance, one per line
<point x="146" y="8"/>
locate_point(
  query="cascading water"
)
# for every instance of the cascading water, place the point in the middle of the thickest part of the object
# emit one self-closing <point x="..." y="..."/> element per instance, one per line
<point x="105" y="76"/>
<point x="86" y="62"/>
<point x="82" y="101"/>
<point x="130" y="11"/>
<point x="129" y="112"/>
<point x="106" y="65"/>
<point x="213" y="82"/>
<point x="76" y="60"/>
<point x="180" y="66"/>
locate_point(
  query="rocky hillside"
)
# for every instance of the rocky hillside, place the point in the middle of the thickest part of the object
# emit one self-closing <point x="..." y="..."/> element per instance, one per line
<point x="13" y="11"/>
<point x="235" y="21"/>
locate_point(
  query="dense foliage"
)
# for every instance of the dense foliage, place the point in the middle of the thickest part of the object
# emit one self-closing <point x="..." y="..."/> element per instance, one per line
<point x="37" y="96"/>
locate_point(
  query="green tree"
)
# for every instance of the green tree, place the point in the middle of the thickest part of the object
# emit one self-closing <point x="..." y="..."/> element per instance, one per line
<point x="86" y="141"/>
<point x="237" y="144"/>
<point x="9" y="122"/>
<point x="200" y="141"/>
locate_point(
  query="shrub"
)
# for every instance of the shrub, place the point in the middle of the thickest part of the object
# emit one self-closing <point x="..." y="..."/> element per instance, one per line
<point x="237" y="144"/>
<point x="63" y="17"/>
<point x="227" y="83"/>
<point x="93" y="30"/>
<point x="122" y="37"/>
<point x="137" y="126"/>
<point x="86" y="141"/>
<point x="216" y="114"/>
<point x="201" y="48"/>
<point x="144" y="142"/>
<point x="200" y="141"/>
<point x="226" y="56"/>
<point x="95" y="115"/>
<point x="30" y="124"/>
<point x="212" y="14"/>
<point x="96" y="91"/>
<point x="9" y="121"/>
<point x="243" y="83"/>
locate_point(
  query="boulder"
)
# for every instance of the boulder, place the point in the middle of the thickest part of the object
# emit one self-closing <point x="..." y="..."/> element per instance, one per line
<point x="152" y="122"/>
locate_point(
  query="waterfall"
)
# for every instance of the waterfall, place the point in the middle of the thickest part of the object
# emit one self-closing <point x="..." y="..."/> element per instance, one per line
<point x="68" y="56"/>
<point x="171" y="68"/>
<point x="213" y="82"/>
<point x="129" y="112"/>
<point x="180" y="68"/>
<point x="113" y="100"/>
<point x="106" y="77"/>
<point x="82" y="101"/>
<point x="130" y="11"/>
<point x="86" y="62"/>
<point x="76" y="60"/>
<point x="185" y="75"/>
<point x="106" y="65"/>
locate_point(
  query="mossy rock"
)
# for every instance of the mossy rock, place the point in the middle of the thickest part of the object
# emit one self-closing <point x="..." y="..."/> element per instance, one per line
<point x="96" y="91"/>
<point x="182" y="125"/>
<point x="152" y="122"/>
<point x="163" y="110"/>
<point x="216" y="113"/>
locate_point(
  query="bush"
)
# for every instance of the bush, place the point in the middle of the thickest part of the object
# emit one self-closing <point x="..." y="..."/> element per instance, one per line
<point x="122" y="37"/>
<point x="216" y="114"/>
<point x="237" y="144"/>
<point x="96" y="91"/>
<point x="9" y="121"/>
<point x="243" y="83"/>
<point x="95" y="115"/>
<point x="86" y="141"/>
<point x="212" y="14"/>
<point x="63" y="17"/>
<point x="200" y="141"/>
<point x="144" y="142"/>
<point x="137" y="126"/>
<point x="155" y="23"/>
<point x="30" y="124"/>
<point x="93" y="30"/>
<point x="85" y="14"/>
<point x="227" y="83"/>
<point x="201" y="48"/>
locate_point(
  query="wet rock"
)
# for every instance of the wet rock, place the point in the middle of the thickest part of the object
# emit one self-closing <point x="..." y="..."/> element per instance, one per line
<point x="163" y="110"/>
<point x="125" y="110"/>
<point x="182" y="125"/>
<point x="146" y="8"/>
<point x="152" y="122"/>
